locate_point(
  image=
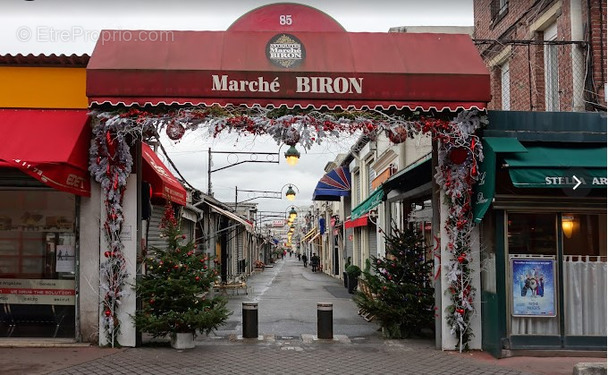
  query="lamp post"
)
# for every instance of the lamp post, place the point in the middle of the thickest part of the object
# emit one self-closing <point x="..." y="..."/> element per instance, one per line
<point x="271" y="157"/>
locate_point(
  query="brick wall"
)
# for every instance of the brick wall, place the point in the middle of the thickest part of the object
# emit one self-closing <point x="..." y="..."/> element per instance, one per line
<point x="526" y="57"/>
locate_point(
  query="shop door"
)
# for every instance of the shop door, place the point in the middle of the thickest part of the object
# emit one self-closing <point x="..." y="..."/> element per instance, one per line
<point x="554" y="279"/>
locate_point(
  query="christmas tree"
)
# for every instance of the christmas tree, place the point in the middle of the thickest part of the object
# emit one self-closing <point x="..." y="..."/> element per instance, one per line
<point x="397" y="288"/>
<point x="175" y="290"/>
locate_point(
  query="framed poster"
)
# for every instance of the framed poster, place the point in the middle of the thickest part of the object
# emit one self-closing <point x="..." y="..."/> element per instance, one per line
<point x="533" y="287"/>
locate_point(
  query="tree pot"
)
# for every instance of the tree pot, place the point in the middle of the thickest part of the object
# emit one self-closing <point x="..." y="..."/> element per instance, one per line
<point x="182" y="340"/>
<point x="352" y="283"/>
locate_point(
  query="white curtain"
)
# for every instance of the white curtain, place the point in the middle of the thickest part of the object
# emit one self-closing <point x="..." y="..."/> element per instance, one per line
<point x="535" y="326"/>
<point x="585" y="295"/>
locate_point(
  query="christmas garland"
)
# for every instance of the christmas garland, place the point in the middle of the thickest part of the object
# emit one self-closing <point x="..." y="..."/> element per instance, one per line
<point x="459" y="152"/>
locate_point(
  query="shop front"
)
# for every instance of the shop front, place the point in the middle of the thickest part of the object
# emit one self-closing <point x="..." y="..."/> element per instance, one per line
<point x="543" y="236"/>
<point x="42" y="181"/>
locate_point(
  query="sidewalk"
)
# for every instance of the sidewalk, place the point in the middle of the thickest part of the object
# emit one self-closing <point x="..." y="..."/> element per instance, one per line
<point x="287" y="295"/>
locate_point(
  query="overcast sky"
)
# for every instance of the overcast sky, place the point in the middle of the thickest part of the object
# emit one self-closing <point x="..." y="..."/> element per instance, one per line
<point x="72" y="26"/>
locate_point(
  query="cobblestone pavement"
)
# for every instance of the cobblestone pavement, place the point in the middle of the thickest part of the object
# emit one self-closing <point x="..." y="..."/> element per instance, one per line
<point x="287" y="296"/>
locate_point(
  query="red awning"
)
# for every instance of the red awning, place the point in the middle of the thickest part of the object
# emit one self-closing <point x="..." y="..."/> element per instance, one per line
<point x="337" y="69"/>
<point x="164" y="184"/>
<point x="358" y="222"/>
<point x="49" y="145"/>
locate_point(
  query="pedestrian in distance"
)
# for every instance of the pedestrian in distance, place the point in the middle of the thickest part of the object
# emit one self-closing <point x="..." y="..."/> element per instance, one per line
<point x="314" y="262"/>
<point x="305" y="260"/>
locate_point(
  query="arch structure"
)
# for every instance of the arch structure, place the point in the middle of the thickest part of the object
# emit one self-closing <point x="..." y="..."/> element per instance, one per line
<point x="294" y="73"/>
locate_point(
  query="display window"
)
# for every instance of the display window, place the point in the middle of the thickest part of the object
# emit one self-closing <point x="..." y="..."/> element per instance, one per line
<point x="37" y="263"/>
<point x="557" y="259"/>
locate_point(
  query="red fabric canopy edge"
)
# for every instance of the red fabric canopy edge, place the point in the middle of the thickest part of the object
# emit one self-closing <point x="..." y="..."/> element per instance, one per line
<point x="49" y="145"/>
<point x="164" y="184"/>
<point x="359" y="222"/>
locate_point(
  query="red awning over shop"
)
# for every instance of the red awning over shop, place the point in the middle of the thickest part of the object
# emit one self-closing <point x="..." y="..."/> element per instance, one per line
<point x="164" y="184"/>
<point x="358" y="222"/>
<point x="336" y="69"/>
<point x="49" y="145"/>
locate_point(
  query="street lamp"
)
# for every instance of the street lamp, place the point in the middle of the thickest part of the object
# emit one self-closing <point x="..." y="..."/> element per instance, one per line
<point x="292" y="155"/>
<point x="290" y="193"/>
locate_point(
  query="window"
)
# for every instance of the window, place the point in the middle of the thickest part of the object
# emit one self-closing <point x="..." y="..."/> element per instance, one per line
<point x="532" y="234"/>
<point x="357" y="189"/>
<point x="551" y="70"/>
<point x="36" y="234"/>
<point x="498" y="9"/>
<point x="371" y="174"/>
<point x="505" y="86"/>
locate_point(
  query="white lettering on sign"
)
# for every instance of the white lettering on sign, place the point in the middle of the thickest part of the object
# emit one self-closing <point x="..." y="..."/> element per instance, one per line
<point x="285" y="51"/>
<point x="259" y="85"/>
<point x="316" y="85"/>
<point x="556" y="180"/>
<point x="76" y="181"/>
<point x="285" y="19"/>
<point x="328" y="85"/>
<point x="599" y="181"/>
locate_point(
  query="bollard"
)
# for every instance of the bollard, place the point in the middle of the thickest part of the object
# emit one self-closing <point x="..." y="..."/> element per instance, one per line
<point x="325" y="324"/>
<point x="250" y="320"/>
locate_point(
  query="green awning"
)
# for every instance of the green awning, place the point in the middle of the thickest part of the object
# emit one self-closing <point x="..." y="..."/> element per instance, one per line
<point x="372" y="201"/>
<point x="502" y="144"/>
<point x="533" y="166"/>
<point x="485" y="187"/>
<point x="558" y="167"/>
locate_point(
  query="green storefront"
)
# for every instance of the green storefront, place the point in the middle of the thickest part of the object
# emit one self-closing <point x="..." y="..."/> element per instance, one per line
<point x="541" y="210"/>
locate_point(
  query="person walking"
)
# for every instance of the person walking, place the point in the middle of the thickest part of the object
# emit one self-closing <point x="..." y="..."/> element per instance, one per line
<point x="314" y="262"/>
<point x="305" y="260"/>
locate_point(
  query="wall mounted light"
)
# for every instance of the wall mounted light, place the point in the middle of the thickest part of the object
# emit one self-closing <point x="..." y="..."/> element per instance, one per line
<point x="567" y="225"/>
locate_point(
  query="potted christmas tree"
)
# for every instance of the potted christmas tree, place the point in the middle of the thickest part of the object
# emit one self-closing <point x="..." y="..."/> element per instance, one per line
<point x="400" y="292"/>
<point x="352" y="273"/>
<point x="175" y="290"/>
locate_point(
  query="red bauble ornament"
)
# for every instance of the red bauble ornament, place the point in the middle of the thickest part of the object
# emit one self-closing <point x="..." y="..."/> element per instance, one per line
<point x="460" y="311"/>
<point x="108" y="313"/>
<point x="197" y="278"/>
<point x="399" y="135"/>
<point x="106" y="254"/>
<point x="461" y="258"/>
<point x="458" y="155"/>
<point x="175" y="131"/>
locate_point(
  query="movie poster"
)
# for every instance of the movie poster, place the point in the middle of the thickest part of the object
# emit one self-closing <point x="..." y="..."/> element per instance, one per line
<point x="533" y="287"/>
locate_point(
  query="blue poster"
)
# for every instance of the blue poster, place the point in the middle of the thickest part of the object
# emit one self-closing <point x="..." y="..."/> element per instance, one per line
<point x="533" y="287"/>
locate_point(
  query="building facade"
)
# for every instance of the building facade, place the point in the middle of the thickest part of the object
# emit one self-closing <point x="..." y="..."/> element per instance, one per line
<point x="544" y="191"/>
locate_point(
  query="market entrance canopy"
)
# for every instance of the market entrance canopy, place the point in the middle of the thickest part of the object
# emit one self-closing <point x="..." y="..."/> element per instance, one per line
<point x="295" y="67"/>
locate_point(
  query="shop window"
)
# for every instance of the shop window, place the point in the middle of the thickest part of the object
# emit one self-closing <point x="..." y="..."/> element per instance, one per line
<point x="532" y="234"/>
<point x="532" y="291"/>
<point x="36" y="234"/>
<point x="582" y="234"/>
<point x="37" y="263"/>
<point x="585" y="280"/>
